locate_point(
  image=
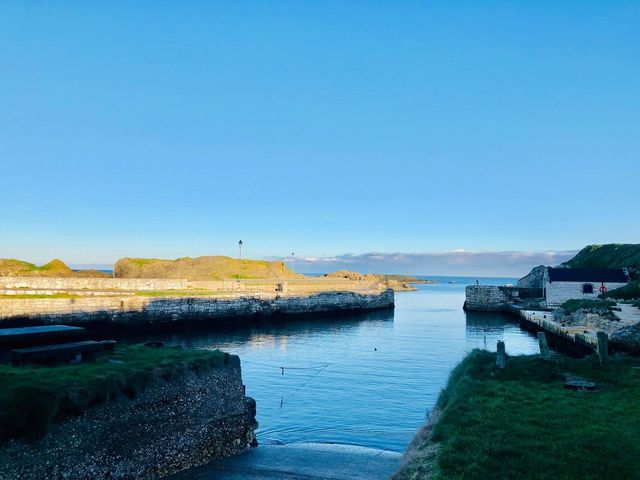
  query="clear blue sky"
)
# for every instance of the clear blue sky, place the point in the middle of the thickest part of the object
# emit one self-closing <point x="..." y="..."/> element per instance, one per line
<point x="325" y="128"/>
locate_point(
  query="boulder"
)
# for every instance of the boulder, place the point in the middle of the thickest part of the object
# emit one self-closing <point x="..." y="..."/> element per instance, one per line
<point x="627" y="338"/>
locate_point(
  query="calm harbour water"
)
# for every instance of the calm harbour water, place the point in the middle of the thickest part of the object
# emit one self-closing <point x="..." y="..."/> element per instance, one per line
<point x="364" y="379"/>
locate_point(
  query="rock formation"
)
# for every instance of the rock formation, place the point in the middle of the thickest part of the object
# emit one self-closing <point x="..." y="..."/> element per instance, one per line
<point x="10" y="267"/>
<point x="201" y="268"/>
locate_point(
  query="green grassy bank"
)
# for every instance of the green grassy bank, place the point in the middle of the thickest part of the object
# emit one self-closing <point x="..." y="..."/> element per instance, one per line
<point x="521" y="423"/>
<point x="630" y="291"/>
<point x="32" y="397"/>
<point x="572" y="306"/>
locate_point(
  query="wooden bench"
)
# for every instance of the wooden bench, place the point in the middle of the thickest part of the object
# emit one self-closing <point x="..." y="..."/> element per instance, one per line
<point x="65" y="352"/>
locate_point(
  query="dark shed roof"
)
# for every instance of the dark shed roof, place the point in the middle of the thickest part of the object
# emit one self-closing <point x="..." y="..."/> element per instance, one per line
<point x="613" y="275"/>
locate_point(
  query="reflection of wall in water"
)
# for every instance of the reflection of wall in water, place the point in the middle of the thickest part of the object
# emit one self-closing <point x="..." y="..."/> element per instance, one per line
<point x="484" y="329"/>
<point x="267" y="333"/>
<point x="485" y="321"/>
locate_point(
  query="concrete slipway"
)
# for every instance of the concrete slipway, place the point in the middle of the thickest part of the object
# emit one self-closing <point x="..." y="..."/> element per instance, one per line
<point x="300" y="461"/>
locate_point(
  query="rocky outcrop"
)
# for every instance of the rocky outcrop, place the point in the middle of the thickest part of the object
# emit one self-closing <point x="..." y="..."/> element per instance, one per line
<point x="173" y="424"/>
<point x="534" y="279"/>
<point x="201" y="268"/>
<point x="627" y="338"/>
<point x="596" y="319"/>
<point x="398" y="283"/>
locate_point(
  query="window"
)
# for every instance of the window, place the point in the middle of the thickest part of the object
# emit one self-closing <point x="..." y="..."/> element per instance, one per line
<point x="587" y="288"/>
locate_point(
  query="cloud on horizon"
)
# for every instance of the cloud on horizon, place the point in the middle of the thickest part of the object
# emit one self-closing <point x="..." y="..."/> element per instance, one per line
<point x="456" y="262"/>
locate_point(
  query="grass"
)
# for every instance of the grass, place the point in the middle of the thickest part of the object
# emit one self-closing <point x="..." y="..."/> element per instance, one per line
<point x="201" y="268"/>
<point x="629" y="292"/>
<point x="521" y="423"/>
<point x="612" y="255"/>
<point x="32" y="397"/>
<point x="53" y="265"/>
<point x="141" y="262"/>
<point x="572" y="306"/>
<point x="55" y="268"/>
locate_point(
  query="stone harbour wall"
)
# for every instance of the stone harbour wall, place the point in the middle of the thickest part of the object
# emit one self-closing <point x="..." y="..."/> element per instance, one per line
<point x="485" y="298"/>
<point x="170" y="426"/>
<point x="62" y="283"/>
<point x="124" y="311"/>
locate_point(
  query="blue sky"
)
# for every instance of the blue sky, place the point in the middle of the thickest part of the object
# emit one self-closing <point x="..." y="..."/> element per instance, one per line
<point x="325" y="128"/>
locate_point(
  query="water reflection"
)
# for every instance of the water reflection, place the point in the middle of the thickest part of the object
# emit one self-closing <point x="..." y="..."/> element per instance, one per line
<point x="362" y="379"/>
<point x="267" y="334"/>
<point x="492" y="327"/>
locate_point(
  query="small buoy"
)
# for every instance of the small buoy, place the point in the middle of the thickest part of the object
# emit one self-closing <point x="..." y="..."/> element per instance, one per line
<point x="375" y="349"/>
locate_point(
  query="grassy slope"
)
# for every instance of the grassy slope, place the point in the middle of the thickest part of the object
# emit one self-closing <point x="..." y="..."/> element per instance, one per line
<point x="572" y="306"/>
<point x="612" y="255"/>
<point x="521" y="422"/>
<point x="201" y="268"/>
<point x="628" y="292"/>
<point x="32" y="397"/>
<point x="55" y="268"/>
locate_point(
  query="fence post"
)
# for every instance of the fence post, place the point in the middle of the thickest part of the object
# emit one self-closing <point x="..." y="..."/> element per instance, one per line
<point x="542" y="343"/>
<point x="603" y="348"/>
<point x="501" y="359"/>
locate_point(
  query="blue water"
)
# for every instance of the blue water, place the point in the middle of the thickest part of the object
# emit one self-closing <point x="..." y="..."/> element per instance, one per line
<point x="364" y="379"/>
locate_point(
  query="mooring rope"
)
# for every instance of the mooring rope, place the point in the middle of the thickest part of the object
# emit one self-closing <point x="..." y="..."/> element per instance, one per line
<point x="282" y="367"/>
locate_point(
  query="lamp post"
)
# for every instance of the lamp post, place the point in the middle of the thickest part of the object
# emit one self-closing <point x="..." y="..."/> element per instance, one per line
<point x="293" y="258"/>
<point x="240" y="250"/>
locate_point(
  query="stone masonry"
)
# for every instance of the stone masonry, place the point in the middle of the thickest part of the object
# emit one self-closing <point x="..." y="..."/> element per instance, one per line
<point x="485" y="298"/>
<point x="124" y="311"/>
<point x="66" y="284"/>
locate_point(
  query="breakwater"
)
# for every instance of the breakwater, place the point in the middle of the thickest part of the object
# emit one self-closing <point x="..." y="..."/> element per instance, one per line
<point x="134" y="310"/>
<point x="175" y="423"/>
<point x="485" y="298"/>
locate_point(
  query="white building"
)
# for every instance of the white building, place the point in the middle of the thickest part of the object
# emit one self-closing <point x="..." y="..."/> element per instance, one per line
<point x="562" y="284"/>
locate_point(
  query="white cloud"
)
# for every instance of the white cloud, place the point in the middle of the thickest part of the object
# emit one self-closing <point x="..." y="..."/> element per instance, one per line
<point x="456" y="262"/>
